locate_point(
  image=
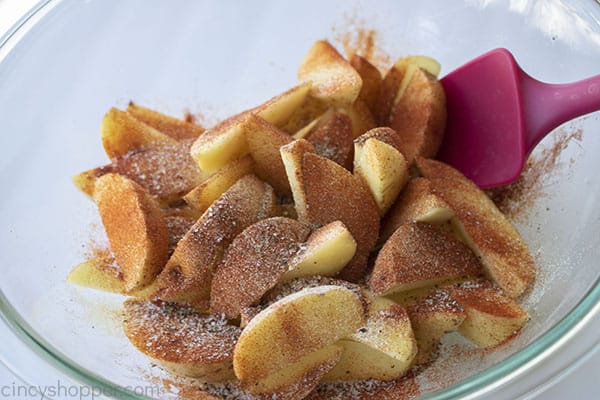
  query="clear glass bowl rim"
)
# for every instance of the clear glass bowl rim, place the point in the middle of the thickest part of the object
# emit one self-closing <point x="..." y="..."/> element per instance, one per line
<point x="481" y="383"/>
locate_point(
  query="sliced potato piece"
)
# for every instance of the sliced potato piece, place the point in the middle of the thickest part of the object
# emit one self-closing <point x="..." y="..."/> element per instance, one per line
<point x="289" y="331"/>
<point x="301" y="134"/>
<point x="221" y="144"/>
<point x="176" y="128"/>
<point x="165" y="170"/>
<point x="86" y="180"/>
<point x="310" y="110"/>
<point x="362" y="362"/>
<point x="408" y="66"/>
<point x="371" y="80"/>
<point x="396" y="80"/>
<point x="135" y="227"/>
<point x="332" y="138"/>
<point x="327" y="250"/>
<point x="419" y="254"/>
<point x="333" y="78"/>
<point x="122" y="133"/>
<point x="203" y="195"/>
<point x="188" y="273"/>
<point x="386" y="345"/>
<point x="361" y="117"/>
<point x="279" y="109"/>
<point x="388" y="329"/>
<point x="292" y="155"/>
<point x="417" y="202"/>
<point x="431" y="318"/>
<point x="300" y="378"/>
<point x="183" y="340"/>
<point x="264" y="140"/>
<point x="101" y="273"/>
<point x="487" y="231"/>
<point x="491" y="316"/>
<point x="420" y="116"/>
<point x="96" y="273"/>
<point x="179" y="220"/>
<point x="284" y="289"/>
<point x="226" y="141"/>
<point x="254" y="263"/>
<point x="413" y="103"/>
<point x="325" y="192"/>
<point x="383" y="169"/>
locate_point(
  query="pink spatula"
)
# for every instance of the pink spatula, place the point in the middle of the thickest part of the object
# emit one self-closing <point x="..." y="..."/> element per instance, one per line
<point x="497" y="114"/>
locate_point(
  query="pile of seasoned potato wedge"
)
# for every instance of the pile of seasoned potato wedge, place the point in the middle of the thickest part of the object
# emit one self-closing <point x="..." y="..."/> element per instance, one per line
<point x="312" y="238"/>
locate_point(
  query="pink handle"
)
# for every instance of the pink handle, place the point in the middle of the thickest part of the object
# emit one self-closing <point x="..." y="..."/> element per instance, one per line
<point x="546" y="106"/>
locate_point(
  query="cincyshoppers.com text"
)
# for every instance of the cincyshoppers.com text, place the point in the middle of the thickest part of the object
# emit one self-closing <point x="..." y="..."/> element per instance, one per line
<point x="60" y="391"/>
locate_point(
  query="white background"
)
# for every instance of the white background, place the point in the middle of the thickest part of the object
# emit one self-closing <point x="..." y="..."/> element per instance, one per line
<point x="582" y="384"/>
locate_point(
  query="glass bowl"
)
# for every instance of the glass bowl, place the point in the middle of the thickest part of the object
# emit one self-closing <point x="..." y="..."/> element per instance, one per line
<point x="67" y="62"/>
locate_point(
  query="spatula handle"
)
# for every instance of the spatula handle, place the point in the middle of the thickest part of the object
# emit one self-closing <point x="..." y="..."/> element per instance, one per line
<point x="546" y="106"/>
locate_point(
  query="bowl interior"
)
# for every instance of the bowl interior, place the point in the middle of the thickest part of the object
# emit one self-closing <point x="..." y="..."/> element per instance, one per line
<point x="217" y="58"/>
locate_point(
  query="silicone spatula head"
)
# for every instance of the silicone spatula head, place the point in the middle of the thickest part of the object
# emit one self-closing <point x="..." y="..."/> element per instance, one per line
<point x="497" y="114"/>
<point x="485" y="128"/>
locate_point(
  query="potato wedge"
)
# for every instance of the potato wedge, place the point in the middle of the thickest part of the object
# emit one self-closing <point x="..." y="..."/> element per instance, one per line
<point x="179" y="220"/>
<point x="333" y="78"/>
<point x="383" y="134"/>
<point x="491" y="316"/>
<point x="226" y="141"/>
<point x="361" y="117"/>
<point x="183" y="340"/>
<point x="413" y="103"/>
<point x="221" y="144"/>
<point x="284" y="289"/>
<point x="396" y="80"/>
<point x="102" y="273"/>
<point x="203" y="195"/>
<point x="502" y="250"/>
<point x="383" y="169"/>
<point x="254" y="263"/>
<point x="188" y="273"/>
<point x="135" y="227"/>
<point x="431" y="318"/>
<point x="279" y="109"/>
<point x="98" y="274"/>
<point x="363" y="362"/>
<point x="325" y="192"/>
<point x="289" y="331"/>
<point x="122" y="133"/>
<point x="300" y="378"/>
<point x="371" y="80"/>
<point x="419" y="117"/>
<point x="308" y="111"/>
<point x="417" y="255"/>
<point x="264" y="140"/>
<point x="325" y="253"/>
<point x="332" y="138"/>
<point x="164" y="170"/>
<point x="176" y="128"/>
<point x="382" y="349"/>
<point x="292" y="155"/>
<point x="417" y="203"/>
